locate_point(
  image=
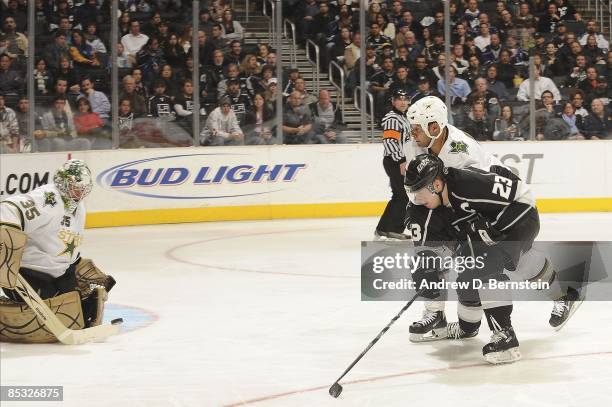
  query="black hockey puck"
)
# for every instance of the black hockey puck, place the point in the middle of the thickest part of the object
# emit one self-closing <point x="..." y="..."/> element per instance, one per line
<point x="117" y="321"/>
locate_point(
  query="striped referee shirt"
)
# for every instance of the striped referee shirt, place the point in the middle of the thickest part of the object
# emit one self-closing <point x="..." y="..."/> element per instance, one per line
<point x="396" y="132"/>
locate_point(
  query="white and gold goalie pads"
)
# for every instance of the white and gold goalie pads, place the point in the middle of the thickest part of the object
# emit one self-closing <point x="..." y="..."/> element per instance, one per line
<point x="18" y="323"/>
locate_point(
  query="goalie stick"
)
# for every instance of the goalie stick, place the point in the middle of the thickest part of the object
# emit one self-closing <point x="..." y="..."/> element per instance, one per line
<point x="336" y="388"/>
<point x="64" y="335"/>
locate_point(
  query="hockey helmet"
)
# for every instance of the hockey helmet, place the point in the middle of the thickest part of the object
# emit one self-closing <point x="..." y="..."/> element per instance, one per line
<point x="74" y="182"/>
<point x="428" y="110"/>
<point x="421" y="172"/>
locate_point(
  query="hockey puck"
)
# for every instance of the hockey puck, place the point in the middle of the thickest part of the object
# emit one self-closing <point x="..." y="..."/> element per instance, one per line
<point x="117" y="321"/>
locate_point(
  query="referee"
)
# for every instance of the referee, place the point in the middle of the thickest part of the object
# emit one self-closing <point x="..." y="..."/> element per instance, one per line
<point x="396" y="132"/>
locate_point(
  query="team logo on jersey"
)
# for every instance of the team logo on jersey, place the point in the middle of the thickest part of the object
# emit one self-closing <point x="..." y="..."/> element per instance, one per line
<point x="50" y="199"/>
<point x="71" y="240"/>
<point x="458" y="147"/>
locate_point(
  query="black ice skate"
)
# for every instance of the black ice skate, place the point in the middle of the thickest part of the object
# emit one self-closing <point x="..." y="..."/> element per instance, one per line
<point x="564" y="308"/>
<point x="431" y="327"/>
<point x="503" y="348"/>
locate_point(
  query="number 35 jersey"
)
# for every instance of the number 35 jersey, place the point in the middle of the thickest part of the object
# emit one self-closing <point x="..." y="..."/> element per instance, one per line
<point x="54" y="235"/>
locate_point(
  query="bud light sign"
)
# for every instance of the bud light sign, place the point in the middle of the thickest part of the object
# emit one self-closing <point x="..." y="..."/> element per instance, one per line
<point x="181" y="176"/>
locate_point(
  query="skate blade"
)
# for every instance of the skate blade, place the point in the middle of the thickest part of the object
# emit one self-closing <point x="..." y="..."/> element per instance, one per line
<point x="575" y="307"/>
<point x="436" y="334"/>
<point x="508" y="356"/>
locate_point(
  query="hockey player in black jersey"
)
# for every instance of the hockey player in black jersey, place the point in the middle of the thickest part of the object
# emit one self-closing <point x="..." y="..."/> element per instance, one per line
<point x="494" y="217"/>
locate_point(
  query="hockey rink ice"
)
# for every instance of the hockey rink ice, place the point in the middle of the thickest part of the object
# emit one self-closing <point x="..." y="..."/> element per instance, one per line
<point x="268" y="313"/>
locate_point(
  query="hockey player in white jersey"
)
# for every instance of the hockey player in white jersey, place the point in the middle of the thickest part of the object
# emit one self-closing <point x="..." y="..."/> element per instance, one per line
<point x="431" y="133"/>
<point x="51" y="220"/>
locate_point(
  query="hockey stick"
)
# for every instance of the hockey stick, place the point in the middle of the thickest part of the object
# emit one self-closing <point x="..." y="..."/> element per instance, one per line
<point x="336" y="388"/>
<point x="65" y="335"/>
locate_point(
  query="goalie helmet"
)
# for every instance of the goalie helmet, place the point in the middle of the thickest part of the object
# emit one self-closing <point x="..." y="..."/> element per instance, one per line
<point x="428" y="110"/>
<point x="73" y="180"/>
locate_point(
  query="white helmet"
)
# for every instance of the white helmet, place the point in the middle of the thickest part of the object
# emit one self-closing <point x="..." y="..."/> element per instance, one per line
<point x="74" y="182"/>
<point x="428" y="110"/>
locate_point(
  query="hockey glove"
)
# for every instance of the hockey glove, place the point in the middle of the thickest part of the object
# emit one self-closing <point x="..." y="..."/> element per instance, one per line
<point x="481" y="230"/>
<point x="427" y="273"/>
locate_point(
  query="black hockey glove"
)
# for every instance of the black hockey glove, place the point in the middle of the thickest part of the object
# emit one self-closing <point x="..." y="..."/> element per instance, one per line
<point x="427" y="273"/>
<point x="481" y="230"/>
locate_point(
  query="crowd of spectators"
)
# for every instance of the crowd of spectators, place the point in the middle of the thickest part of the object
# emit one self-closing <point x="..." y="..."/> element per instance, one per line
<point x="72" y="81"/>
<point x="488" y="83"/>
<point x="491" y="45"/>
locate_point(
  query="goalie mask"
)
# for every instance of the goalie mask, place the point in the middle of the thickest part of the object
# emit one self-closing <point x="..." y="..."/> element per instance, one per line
<point x="421" y="173"/>
<point x="428" y="110"/>
<point x="73" y="180"/>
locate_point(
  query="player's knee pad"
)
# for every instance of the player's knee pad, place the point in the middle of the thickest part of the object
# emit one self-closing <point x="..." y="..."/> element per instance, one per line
<point x="18" y="322"/>
<point x="12" y="244"/>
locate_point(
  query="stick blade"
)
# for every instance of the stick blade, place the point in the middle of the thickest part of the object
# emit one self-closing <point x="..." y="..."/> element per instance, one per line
<point x="335" y="390"/>
<point x="94" y="334"/>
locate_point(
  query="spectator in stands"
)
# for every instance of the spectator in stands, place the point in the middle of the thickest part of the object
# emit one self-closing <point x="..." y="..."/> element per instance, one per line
<point x="90" y="126"/>
<point x="540" y="45"/>
<point x="483" y="95"/>
<point x="137" y="102"/>
<point x="126" y="119"/>
<point x="82" y="54"/>
<point x="494" y="85"/>
<point x="574" y="122"/>
<point x="387" y="28"/>
<point x="506" y="127"/>
<point x="235" y="55"/>
<point x="474" y="71"/>
<point x="395" y="14"/>
<point x="123" y="61"/>
<point x="422" y="70"/>
<point x="23" y="118"/>
<point x="458" y="89"/>
<point x="64" y="26"/>
<point x="240" y="101"/>
<point x="151" y="28"/>
<point x="304" y="15"/>
<point x="307" y="98"/>
<point x="61" y="90"/>
<point x="206" y="48"/>
<point x="477" y="124"/>
<point x="423" y="89"/>
<point x="67" y="72"/>
<point x="294" y="73"/>
<point x="490" y="55"/>
<point x="272" y="93"/>
<point x="217" y="39"/>
<point x="328" y="124"/>
<point x="183" y="106"/>
<point x="505" y="24"/>
<point x="594" y="86"/>
<point x="17" y="13"/>
<point x="321" y="22"/>
<point x="506" y="72"/>
<point x="206" y="22"/>
<point x="262" y="53"/>
<point x="401" y="81"/>
<point x="470" y="16"/>
<point x="11" y="82"/>
<point x="163" y="34"/>
<point x="92" y="39"/>
<point x="376" y="39"/>
<point x="160" y="104"/>
<point x="134" y="41"/>
<point x="98" y="101"/>
<point x="525" y="19"/>
<point x="259" y="122"/>
<point x="233" y="72"/>
<point x="578" y="72"/>
<point x="518" y="55"/>
<point x="141" y="87"/>
<point x="483" y="40"/>
<point x="576" y="96"/>
<point x="440" y="67"/>
<point x="459" y="61"/>
<point x="436" y="48"/>
<point x="17" y="42"/>
<point x="592" y="28"/>
<point x="124" y="23"/>
<point x="174" y="54"/>
<point x="150" y="59"/>
<point x="297" y="121"/>
<point x="43" y="78"/>
<point x="56" y="50"/>
<point x="567" y="11"/>
<point x="250" y="69"/>
<point x="222" y="127"/>
<point x="552" y="64"/>
<point x="231" y="30"/>
<point x="171" y="80"/>
<point x="592" y="51"/>
<point x="352" y="53"/>
<point x="598" y="124"/>
<point x="58" y="131"/>
<point x="9" y="129"/>
<point x="410" y="24"/>
<point x="542" y="84"/>
<point x="548" y="23"/>
<point x="379" y="86"/>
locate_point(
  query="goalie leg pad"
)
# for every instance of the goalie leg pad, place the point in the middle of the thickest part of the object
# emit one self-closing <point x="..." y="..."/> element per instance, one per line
<point x="18" y="323"/>
<point x="89" y="276"/>
<point x="12" y="244"/>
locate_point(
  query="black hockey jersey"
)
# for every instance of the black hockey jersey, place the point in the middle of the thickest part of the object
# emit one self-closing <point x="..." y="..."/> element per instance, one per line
<point x="498" y="196"/>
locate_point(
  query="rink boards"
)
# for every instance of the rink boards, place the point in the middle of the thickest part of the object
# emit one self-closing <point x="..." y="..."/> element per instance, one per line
<point x="151" y="186"/>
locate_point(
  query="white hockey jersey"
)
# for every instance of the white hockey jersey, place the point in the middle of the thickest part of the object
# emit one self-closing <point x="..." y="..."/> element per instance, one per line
<point x="54" y="235"/>
<point x="459" y="151"/>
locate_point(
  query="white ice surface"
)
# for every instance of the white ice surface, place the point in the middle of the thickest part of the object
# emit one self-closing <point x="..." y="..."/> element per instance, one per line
<point x="269" y="314"/>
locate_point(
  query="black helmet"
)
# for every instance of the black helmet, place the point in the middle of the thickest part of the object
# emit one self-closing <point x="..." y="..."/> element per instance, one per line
<point x="400" y="93"/>
<point x="422" y="171"/>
